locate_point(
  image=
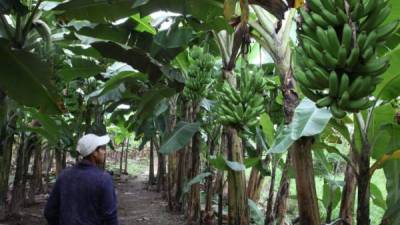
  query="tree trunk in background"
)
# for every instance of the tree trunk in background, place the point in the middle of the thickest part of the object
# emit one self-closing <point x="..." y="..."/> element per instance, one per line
<point x="305" y="173"/>
<point x="49" y="164"/>
<point x="238" y="211"/>
<point x="256" y="181"/>
<point x="7" y="125"/>
<point x="349" y="189"/>
<point x="269" y="212"/>
<point x="194" y="196"/>
<point x="363" y="180"/>
<point x="59" y="157"/>
<point x="210" y="189"/>
<point x="63" y="160"/>
<point x="172" y="168"/>
<point x="121" y="157"/>
<point x="21" y="174"/>
<point x="180" y="200"/>
<point x="161" y="181"/>
<point x="219" y="180"/>
<point x="33" y="142"/>
<point x="17" y="198"/>
<point x="180" y="179"/>
<point x="126" y="157"/>
<point x="161" y="173"/>
<point x="36" y="184"/>
<point x="305" y="183"/>
<point x="151" y="166"/>
<point x="281" y="202"/>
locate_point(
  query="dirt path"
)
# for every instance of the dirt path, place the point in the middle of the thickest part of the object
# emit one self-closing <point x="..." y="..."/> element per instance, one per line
<point x="136" y="206"/>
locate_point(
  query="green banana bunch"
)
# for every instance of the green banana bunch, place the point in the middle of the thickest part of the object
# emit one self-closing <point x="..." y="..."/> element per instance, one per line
<point x="240" y="107"/>
<point x="337" y="61"/>
<point x="199" y="75"/>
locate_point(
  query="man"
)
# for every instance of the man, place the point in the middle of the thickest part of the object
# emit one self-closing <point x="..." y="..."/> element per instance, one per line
<point x="84" y="194"/>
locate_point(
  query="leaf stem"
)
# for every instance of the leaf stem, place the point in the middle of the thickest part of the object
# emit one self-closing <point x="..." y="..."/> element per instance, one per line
<point x="6" y="26"/>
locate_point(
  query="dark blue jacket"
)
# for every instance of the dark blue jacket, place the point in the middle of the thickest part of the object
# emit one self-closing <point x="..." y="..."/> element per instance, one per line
<point x="82" y="195"/>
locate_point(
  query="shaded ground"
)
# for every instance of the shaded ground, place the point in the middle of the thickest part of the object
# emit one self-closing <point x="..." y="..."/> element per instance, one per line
<point x="136" y="206"/>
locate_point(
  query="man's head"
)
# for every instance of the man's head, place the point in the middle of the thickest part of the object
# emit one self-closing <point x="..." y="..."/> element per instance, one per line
<point x="93" y="147"/>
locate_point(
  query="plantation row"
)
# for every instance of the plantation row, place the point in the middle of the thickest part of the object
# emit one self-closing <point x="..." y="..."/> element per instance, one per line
<point x="250" y="111"/>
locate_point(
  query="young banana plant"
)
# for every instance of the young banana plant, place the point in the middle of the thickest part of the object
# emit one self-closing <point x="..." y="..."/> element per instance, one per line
<point x="275" y="42"/>
<point x="23" y="26"/>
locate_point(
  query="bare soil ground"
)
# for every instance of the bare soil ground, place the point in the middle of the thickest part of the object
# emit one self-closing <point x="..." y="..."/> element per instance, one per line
<point x="136" y="205"/>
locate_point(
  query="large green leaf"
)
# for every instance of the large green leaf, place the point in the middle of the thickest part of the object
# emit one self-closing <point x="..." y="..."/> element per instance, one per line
<point x="205" y="9"/>
<point x="218" y="162"/>
<point x="255" y="213"/>
<point x="135" y="57"/>
<point x="221" y="163"/>
<point x="377" y="134"/>
<point x="377" y="196"/>
<point x="389" y="88"/>
<point x="340" y="126"/>
<point x="308" y="120"/>
<point x="106" y="32"/>
<point x="267" y="127"/>
<point x="386" y="140"/>
<point x="181" y="136"/>
<point x="283" y="140"/>
<point x="143" y="24"/>
<point x="175" y="37"/>
<point x="52" y="128"/>
<point x="149" y="102"/>
<point x="395" y="10"/>
<point x="27" y="79"/>
<point x="98" y="10"/>
<point x="80" y="68"/>
<point x="122" y="77"/>
<point x="331" y="194"/>
<point x="7" y="5"/>
<point x="392" y="215"/>
<point x="195" y="180"/>
<point x="80" y="50"/>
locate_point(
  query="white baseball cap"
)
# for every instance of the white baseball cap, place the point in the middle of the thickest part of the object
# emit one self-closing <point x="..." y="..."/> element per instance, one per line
<point x="89" y="142"/>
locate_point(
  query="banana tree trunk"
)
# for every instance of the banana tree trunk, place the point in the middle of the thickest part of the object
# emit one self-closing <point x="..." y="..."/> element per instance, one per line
<point x="49" y="163"/>
<point x="21" y="174"/>
<point x="349" y="189"/>
<point x="269" y="212"/>
<point x="210" y="190"/>
<point x="6" y="143"/>
<point x="161" y="170"/>
<point x="36" y="184"/>
<point x="126" y="157"/>
<point x="121" y="157"/>
<point x="59" y="158"/>
<point x="219" y="181"/>
<point x="151" y="166"/>
<point x="305" y="183"/>
<point x="364" y="185"/>
<point x="172" y="168"/>
<point x="238" y="211"/>
<point x="281" y="203"/>
<point x="180" y="200"/>
<point x="256" y="181"/>
<point x="5" y="165"/>
<point x="194" y="196"/>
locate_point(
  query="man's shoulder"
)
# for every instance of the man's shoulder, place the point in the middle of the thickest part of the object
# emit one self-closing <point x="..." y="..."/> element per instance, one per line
<point x="94" y="172"/>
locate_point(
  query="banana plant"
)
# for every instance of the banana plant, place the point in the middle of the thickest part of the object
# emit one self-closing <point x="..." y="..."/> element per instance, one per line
<point x="25" y="47"/>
